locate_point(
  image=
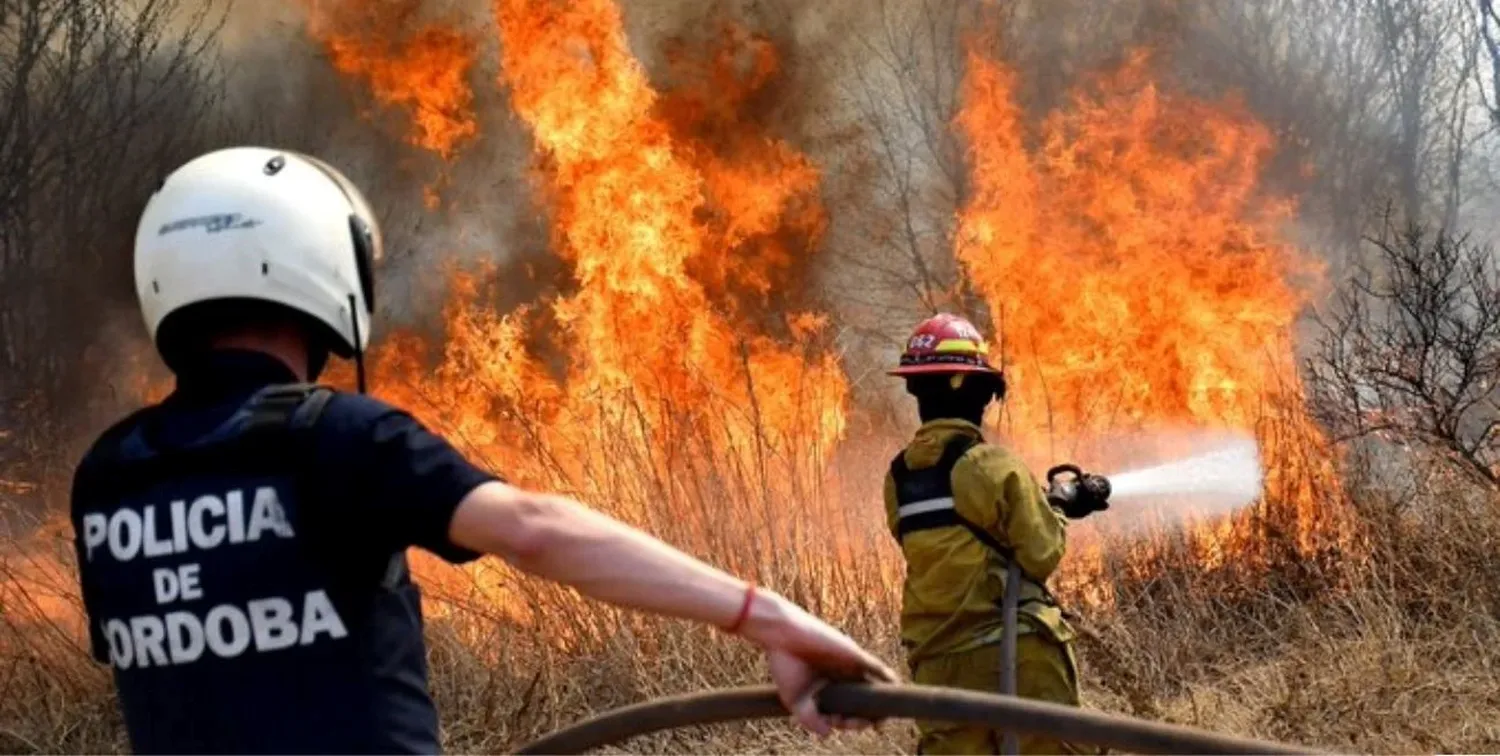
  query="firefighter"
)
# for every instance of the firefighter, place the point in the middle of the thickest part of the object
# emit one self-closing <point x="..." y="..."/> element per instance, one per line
<point x="242" y="544"/>
<point x="963" y="510"/>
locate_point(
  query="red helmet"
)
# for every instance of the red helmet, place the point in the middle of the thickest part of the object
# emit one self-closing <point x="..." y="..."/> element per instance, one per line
<point x="945" y="344"/>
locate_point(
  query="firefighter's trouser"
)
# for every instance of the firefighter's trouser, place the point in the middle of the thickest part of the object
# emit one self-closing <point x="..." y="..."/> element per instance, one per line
<point x="1045" y="670"/>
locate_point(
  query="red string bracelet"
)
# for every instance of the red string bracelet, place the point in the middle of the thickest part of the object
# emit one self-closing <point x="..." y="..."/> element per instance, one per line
<point x="744" y="610"/>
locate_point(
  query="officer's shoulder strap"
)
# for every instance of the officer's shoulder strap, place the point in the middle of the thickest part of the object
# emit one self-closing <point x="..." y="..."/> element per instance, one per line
<point x="123" y="428"/>
<point x="289" y="405"/>
<point x="277" y="407"/>
<point x="298" y="406"/>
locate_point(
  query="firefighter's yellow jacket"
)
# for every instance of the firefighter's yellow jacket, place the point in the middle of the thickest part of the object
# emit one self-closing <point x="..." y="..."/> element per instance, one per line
<point x="955" y="583"/>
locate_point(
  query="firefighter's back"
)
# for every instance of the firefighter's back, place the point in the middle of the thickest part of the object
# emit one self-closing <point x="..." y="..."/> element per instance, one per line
<point x="952" y="589"/>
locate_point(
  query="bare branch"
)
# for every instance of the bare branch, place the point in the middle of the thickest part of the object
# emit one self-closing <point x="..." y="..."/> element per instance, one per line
<point x="1411" y="349"/>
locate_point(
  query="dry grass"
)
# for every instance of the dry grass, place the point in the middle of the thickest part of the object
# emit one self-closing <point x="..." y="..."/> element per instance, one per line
<point x="1400" y="658"/>
<point x="1397" y="655"/>
<point x="1392" y="651"/>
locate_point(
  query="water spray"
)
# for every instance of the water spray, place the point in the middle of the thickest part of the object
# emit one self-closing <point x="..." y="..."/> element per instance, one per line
<point x="1217" y="481"/>
<point x="1230" y="475"/>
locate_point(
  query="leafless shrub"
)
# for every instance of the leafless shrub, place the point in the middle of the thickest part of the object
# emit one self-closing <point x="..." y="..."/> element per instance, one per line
<point x="1411" y="349"/>
<point x="97" y="99"/>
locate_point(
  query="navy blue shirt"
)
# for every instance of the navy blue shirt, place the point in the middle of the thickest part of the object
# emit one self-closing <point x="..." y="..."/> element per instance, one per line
<point x="252" y="595"/>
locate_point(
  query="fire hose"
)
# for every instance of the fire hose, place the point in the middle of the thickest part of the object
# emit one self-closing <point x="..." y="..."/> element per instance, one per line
<point x="1075" y="497"/>
<point x="882" y="701"/>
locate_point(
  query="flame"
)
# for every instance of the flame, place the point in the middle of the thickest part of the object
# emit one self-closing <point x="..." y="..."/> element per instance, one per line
<point x="759" y="190"/>
<point x="422" y="68"/>
<point x="669" y="382"/>
<point x="1131" y="263"/>
<point x="1133" y="268"/>
<point x="646" y="218"/>
<point x="39" y="587"/>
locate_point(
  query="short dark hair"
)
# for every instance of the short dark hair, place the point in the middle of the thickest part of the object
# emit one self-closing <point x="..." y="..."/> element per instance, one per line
<point x="188" y="334"/>
<point x="937" y="399"/>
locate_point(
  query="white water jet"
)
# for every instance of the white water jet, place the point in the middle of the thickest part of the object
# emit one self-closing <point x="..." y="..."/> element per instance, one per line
<point x="1225" y="477"/>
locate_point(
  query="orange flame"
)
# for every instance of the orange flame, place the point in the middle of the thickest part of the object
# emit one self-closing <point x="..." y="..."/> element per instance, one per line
<point x="644" y="217"/>
<point x="1135" y="273"/>
<point x="1130" y="261"/>
<point x="763" y="208"/>
<point x="663" y="383"/>
<point x="423" y="69"/>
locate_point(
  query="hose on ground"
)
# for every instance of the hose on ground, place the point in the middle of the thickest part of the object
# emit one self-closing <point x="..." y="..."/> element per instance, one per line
<point x="881" y="701"/>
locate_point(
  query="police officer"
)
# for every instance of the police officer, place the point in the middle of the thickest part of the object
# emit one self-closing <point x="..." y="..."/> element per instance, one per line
<point x="964" y="511"/>
<point x="242" y="544"/>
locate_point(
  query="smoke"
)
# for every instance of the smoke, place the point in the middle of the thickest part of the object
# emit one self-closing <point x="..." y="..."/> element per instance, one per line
<point x="286" y="88"/>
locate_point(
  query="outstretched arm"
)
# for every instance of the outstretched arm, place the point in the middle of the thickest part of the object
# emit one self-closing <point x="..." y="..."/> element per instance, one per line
<point x="558" y="539"/>
<point x="415" y="489"/>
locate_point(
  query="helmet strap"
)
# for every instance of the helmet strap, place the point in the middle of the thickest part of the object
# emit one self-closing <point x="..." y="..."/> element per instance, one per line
<point x="359" y="351"/>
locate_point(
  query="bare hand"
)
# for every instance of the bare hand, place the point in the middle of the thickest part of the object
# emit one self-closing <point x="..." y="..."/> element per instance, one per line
<point x="805" y="654"/>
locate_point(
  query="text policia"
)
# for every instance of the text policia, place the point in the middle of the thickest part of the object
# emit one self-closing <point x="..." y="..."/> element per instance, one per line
<point x="225" y="630"/>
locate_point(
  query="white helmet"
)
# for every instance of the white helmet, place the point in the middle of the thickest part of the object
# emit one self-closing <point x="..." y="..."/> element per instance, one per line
<point x="251" y="223"/>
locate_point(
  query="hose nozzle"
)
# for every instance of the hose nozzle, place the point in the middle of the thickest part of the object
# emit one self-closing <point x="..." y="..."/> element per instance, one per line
<point x="1077" y="493"/>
